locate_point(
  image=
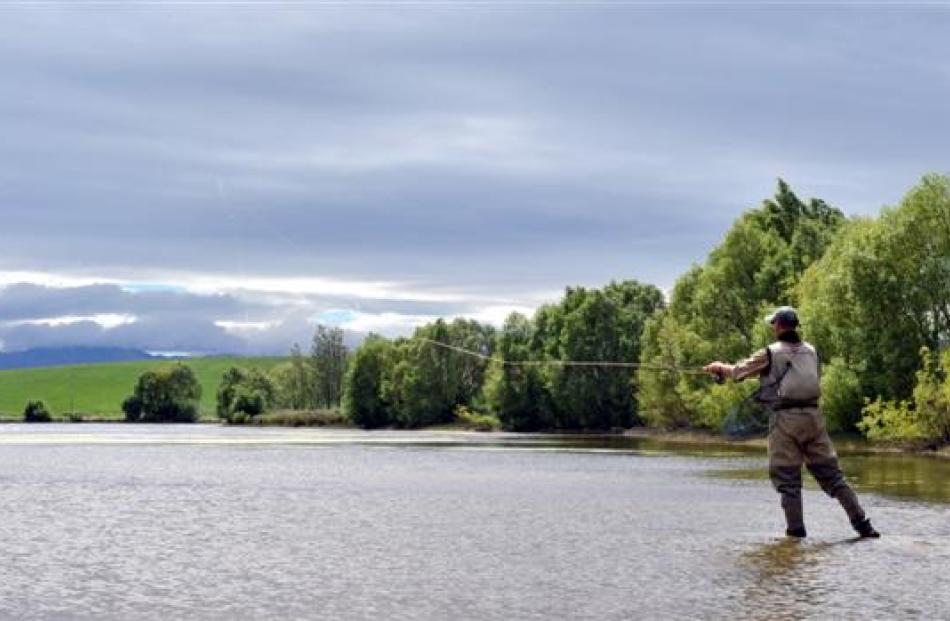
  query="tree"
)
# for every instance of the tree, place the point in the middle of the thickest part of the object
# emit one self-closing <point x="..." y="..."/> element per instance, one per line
<point x="716" y="310"/>
<point x="598" y="325"/>
<point x="517" y="393"/>
<point x="586" y="325"/>
<point x="363" y="400"/>
<point x="426" y="383"/>
<point x="882" y="292"/>
<point x="166" y="394"/>
<point x="36" y="412"/>
<point x="328" y="364"/>
<point x="249" y="391"/>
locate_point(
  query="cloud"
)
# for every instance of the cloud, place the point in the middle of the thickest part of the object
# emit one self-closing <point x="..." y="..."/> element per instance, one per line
<point x="241" y="170"/>
<point x="240" y="321"/>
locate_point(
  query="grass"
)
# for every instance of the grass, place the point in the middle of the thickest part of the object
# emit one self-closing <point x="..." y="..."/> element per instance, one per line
<point x="302" y="418"/>
<point x="97" y="390"/>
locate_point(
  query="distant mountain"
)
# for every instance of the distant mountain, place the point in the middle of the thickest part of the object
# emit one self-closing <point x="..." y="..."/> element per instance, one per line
<point x="58" y="356"/>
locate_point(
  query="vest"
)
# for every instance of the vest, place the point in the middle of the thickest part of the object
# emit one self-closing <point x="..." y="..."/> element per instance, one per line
<point x="793" y="379"/>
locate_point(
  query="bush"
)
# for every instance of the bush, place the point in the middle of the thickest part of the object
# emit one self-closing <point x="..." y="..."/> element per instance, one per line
<point x="476" y="421"/>
<point x="925" y="417"/>
<point x="841" y="396"/>
<point x="291" y="418"/>
<point x="36" y="412"/>
<point x="166" y="394"/>
<point x="890" y="420"/>
<point x="363" y="401"/>
<point x="244" y="391"/>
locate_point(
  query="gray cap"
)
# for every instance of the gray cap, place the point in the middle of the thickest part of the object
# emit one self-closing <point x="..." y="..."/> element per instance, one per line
<point x="785" y="315"/>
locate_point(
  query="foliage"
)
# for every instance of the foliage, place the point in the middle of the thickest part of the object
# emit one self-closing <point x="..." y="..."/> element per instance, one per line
<point x="327" y="366"/>
<point x="96" y="391"/>
<point x="594" y="325"/>
<point x="716" y="310"/>
<point x="292" y="418"/>
<point x="517" y="393"/>
<point x="841" y="397"/>
<point x="167" y="394"/>
<point x="248" y="391"/>
<point x="882" y="291"/>
<point x="426" y="382"/>
<point x="293" y="382"/>
<point x="475" y="421"/>
<point x="926" y="416"/>
<point x="363" y="401"/>
<point x="36" y="412"/>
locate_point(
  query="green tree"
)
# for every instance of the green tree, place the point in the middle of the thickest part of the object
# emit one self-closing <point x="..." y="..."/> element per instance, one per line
<point x="925" y="416"/>
<point x="882" y="291"/>
<point x="426" y="383"/>
<point x="363" y="400"/>
<point x="167" y="394"/>
<point x="715" y="310"/>
<point x="244" y="390"/>
<point x="293" y="382"/>
<point x="328" y="364"/>
<point x="36" y="412"/>
<point x="587" y="325"/>
<point x="517" y="393"/>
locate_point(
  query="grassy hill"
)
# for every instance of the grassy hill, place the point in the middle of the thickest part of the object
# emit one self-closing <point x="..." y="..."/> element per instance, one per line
<point x="99" y="389"/>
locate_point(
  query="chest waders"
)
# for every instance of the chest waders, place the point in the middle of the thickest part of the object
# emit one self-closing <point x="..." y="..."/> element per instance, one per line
<point x="790" y="389"/>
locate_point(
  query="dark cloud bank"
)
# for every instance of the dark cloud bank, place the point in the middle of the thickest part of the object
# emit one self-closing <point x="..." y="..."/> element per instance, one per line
<point x="502" y="152"/>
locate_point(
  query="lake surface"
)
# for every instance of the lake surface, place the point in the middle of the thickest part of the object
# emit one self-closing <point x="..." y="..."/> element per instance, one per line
<point x="119" y="521"/>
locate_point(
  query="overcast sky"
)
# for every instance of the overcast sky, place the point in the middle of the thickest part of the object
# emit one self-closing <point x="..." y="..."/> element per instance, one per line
<point x="209" y="176"/>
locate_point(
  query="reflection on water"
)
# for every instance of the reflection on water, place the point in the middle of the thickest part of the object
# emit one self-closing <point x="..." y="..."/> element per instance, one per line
<point x="910" y="477"/>
<point x="123" y="522"/>
<point x="787" y="579"/>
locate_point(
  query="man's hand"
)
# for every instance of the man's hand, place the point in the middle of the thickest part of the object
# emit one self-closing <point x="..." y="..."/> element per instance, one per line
<point x="716" y="368"/>
<point x="720" y="369"/>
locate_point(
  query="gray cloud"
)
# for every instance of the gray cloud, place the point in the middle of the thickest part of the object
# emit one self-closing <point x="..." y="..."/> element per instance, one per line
<point x="493" y="151"/>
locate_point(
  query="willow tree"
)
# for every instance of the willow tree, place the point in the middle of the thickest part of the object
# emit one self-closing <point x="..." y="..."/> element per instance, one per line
<point x="715" y="309"/>
<point x="882" y="293"/>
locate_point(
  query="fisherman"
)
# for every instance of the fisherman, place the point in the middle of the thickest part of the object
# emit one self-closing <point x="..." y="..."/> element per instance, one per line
<point x="789" y="386"/>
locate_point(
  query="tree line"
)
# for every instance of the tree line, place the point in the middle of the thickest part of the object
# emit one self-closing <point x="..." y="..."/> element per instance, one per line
<point x="873" y="294"/>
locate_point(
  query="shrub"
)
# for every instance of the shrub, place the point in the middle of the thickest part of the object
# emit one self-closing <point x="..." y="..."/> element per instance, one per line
<point x="841" y="396"/>
<point x="476" y="421"/>
<point x="36" y="412"/>
<point x="247" y="391"/>
<point x="248" y="401"/>
<point x="925" y="417"/>
<point x="363" y="401"/>
<point x="291" y="418"/>
<point x="166" y="394"/>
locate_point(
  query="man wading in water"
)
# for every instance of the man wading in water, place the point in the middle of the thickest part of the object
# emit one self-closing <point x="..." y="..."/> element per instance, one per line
<point x="789" y="386"/>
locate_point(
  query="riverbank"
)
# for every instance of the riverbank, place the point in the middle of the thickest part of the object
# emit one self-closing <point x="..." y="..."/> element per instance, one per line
<point x="846" y="443"/>
<point x="849" y="443"/>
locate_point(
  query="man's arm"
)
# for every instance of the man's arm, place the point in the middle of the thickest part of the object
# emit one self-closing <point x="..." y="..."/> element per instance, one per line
<point x="754" y="365"/>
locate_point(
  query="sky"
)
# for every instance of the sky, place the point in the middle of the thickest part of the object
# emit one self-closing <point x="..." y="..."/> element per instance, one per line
<point x="222" y="176"/>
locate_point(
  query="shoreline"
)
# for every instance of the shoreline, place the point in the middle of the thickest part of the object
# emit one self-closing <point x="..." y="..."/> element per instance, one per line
<point x="845" y="443"/>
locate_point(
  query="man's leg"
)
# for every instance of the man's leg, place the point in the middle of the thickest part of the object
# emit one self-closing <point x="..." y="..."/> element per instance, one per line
<point x="785" y="471"/>
<point x="822" y="461"/>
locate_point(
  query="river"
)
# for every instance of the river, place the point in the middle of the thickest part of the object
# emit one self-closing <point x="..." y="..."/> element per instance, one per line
<point x="208" y="522"/>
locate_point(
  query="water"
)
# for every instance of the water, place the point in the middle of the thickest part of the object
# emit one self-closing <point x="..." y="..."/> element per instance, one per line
<point x="221" y="523"/>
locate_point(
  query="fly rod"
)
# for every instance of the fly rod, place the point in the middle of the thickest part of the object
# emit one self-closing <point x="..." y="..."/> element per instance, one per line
<point x="568" y="363"/>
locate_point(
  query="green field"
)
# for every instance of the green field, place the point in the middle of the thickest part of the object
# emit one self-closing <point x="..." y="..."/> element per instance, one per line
<point x="97" y="390"/>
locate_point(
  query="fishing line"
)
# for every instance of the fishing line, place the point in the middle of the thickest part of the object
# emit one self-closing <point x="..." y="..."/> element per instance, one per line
<point x="565" y="363"/>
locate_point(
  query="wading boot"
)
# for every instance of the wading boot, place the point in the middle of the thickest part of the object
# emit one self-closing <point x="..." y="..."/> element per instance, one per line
<point x="865" y="529"/>
<point x="860" y="522"/>
<point x="794" y="516"/>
